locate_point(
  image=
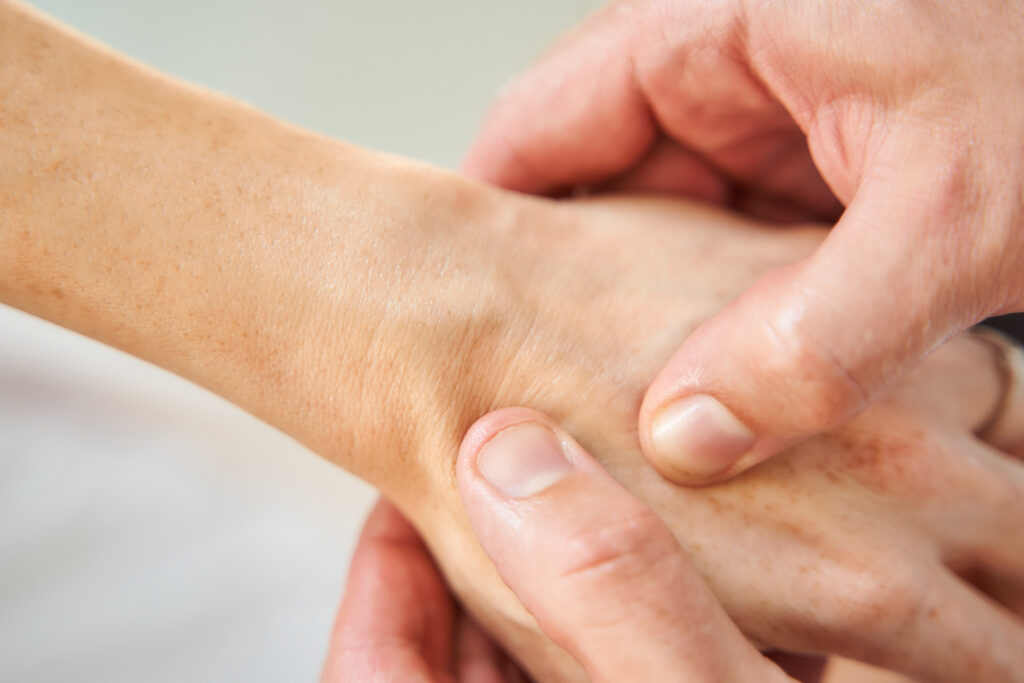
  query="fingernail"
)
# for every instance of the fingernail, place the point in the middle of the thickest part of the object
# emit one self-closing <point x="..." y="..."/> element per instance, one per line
<point x="523" y="460"/>
<point x="700" y="436"/>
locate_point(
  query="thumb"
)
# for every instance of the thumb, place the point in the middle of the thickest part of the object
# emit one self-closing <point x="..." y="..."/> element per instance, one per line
<point x="602" y="574"/>
<point x="808" y="346"/>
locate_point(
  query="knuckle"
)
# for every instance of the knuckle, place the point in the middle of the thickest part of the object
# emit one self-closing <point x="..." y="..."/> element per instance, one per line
<point x="808" y="371"/>
<point x="620" y="554"/>
<point x="612" y="575"/>
<point x="883" y="600"/>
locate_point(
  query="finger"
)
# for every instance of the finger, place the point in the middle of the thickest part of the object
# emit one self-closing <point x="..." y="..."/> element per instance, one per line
<point x="396" y="618"/>
<point x="478" y="658"/>
<point x="958" y="635"/>
<point x="921" y="621"/>
<point x="557" y="126"/>
<point x="960" y="385"/>
<point x="592" y="108"/>
<point x="602" y="574"/>
<point x="692" y="62"/>
<point x="984" y="524"/>
<point x="808" y="346"/>
<point x="669" y="168"/>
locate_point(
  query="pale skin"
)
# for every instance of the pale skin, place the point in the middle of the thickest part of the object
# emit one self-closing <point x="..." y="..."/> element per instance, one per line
<point x="374" y="309"/>
<point x="901" y="120"/>
<point x="399" y="623"/>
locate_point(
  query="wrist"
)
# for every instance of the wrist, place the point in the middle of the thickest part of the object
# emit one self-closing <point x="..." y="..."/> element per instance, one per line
<point x="432" y="316"/>
<point x="328" y="290"/>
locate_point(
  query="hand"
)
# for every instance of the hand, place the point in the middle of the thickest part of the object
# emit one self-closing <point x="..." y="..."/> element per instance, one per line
<point x="911" y="113"/>
<point x="376" y="325"/>
<point x="548" y="559"/>
<point x="600" y="572"/>
<point x="850" y="544"/>
<point x="398" y="621"/>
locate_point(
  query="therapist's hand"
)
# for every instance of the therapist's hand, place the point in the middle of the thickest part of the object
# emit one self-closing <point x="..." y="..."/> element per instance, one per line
<point x="910" y="113"/>
<point x="398" y="621"/>
<point x="601" y="573"/>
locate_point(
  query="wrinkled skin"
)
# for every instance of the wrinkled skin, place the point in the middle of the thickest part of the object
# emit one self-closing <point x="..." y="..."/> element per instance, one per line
<point x="374" y="309"/>
<point x="398" y="622"/>
<point x="910" y="113"/>
<point x="846" y="545"/>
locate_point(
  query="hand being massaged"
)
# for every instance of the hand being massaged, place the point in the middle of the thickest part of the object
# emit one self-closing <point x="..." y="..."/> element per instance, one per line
<point x="891" y="540"/>
<point x="902" y="122"/>
<point x="602" y="575"/>
<point x="375" y="309"/>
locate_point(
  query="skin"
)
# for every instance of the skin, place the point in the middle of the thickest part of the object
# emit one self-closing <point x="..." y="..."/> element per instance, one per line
<point x="901" y="120"/>
<point x="856" y="534"/>
<point x="399" y="622"/>
<point x="374" y="309"/>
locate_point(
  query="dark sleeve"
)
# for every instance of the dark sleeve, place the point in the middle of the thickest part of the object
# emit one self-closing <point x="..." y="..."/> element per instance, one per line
<point x="1012" y="324"/>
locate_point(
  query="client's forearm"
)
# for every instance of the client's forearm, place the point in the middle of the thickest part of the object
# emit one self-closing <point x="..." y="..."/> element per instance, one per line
<point x="299" y="277"/>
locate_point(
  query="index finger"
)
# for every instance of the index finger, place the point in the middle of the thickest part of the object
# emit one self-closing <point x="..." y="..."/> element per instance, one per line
<point x="577" y="116"/>
<point x="397" y="617"/>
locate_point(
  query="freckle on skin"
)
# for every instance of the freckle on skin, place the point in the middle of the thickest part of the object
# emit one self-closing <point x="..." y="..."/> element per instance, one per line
<point x="57" y="293"/>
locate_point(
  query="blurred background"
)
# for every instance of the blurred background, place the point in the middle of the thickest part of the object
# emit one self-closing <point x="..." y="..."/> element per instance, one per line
<point x="148" y="530"/>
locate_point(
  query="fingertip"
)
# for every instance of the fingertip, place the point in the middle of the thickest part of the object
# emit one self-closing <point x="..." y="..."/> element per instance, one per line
<point x="778" y="365"/>
<point x="589" y="560"/>
<point x="492" y="160"/>
<point x="802" y="351"/>
<point x="487" y="426"/>
<point x="696" y="439"/>
<point x="484" y="430"/>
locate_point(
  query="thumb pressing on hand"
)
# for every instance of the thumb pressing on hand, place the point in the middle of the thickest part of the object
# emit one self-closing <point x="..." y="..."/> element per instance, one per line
<point x="808" y="346"/>
<point x="602" y="574"/>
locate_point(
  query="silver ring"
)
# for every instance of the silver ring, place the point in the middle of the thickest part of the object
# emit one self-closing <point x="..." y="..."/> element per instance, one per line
<point x="1005" y="429"/>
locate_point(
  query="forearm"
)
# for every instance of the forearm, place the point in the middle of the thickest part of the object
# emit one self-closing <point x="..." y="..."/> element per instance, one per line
<point x="282" y="270"/>
<point x="111" y="172"/>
